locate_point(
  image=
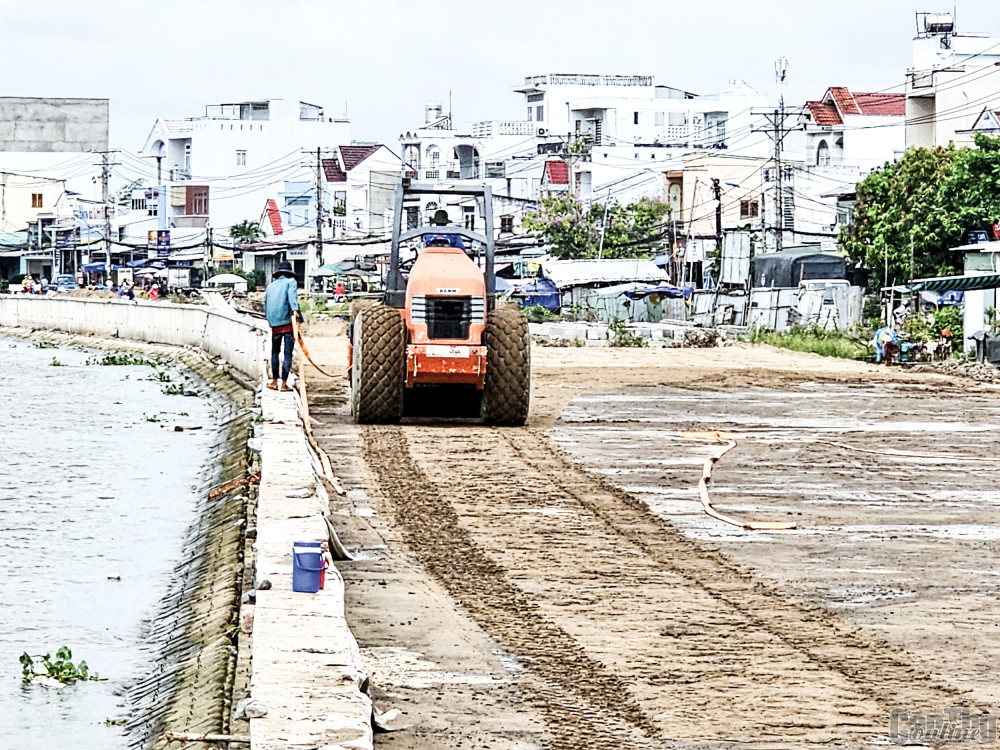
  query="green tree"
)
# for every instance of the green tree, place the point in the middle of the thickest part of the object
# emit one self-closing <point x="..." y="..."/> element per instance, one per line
<point x="974" y="190"/>
<point x="124" y="196"/>
<point x="911" y="212"/>
<point x="574" y="231"/>
<point x="246" y="232"/>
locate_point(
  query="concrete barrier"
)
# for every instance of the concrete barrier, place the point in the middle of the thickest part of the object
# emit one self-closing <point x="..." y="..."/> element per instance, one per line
<point x="238" y="339"/>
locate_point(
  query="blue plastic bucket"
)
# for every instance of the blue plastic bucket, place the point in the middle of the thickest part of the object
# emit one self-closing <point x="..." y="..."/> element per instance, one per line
<point x="307" y="562"/>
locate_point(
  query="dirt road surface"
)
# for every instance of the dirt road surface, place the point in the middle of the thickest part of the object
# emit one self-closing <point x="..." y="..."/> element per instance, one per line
<point x="557" y="585"/>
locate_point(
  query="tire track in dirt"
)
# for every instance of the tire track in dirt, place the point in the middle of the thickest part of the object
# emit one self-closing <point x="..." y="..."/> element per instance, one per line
<point x="585" y="704"/>
<point x="705" y="650"/>
<point x="875" y="668"/>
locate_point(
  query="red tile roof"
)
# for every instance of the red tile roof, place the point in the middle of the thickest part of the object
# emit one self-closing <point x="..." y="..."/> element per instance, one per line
<point x="844" y="100"/>
<point x="352" y="156"/>
<point x="336" y="169"/>
<point x="557" y="173"/>
<point x="274" y="216"/>
<point x="839" y="102"/>
<point x="824" y="114"/>
<point x="881" y="104"/>
<point x="333" y="172"/>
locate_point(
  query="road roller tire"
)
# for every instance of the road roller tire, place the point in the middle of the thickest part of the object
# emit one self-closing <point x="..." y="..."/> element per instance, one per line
<point x="506" y="391"/>
<point x="378" y="361"/>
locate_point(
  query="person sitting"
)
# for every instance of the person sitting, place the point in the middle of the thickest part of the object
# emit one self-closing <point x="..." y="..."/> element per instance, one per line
<point x="440" y="219"/>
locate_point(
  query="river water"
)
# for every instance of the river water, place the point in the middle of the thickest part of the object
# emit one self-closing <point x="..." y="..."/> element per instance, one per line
<point x="94" y="482"/>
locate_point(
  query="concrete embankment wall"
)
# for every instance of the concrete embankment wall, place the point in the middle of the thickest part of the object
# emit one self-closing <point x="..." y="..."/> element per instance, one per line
<point x="307" y="667"/>
<point x="237" y="339"/>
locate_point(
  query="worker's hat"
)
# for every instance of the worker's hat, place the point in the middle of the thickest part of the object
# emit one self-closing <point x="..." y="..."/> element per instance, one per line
<point x="284" y="269"/>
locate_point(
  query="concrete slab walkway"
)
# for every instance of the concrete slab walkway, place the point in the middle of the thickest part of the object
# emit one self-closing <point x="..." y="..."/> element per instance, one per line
<point x="307" y="668"/>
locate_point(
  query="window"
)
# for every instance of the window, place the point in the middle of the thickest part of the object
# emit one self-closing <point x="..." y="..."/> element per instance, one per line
<point x="196" y="200"/>
<point x="531" y="113"/>
<point x="635" y="118"/>
<point x="241" y="158"/>
<point x="36" y="200"/>
<point x="495" y="169"/>
<point x="658" y="119"/>
<point x="749" y="209"/>
<point x="507" y="224"/>
<point x="536" y="97"/>
<point x="433" y="157"/>
<point x="296" y="200"/>
<point x="823" y="154"/>
<point x="138" y="204"/>
<point x="540" y="112"/>
<point x="340" y="203"/>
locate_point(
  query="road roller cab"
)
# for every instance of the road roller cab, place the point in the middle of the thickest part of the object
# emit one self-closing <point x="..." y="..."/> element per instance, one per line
<point x="436" y="338"/>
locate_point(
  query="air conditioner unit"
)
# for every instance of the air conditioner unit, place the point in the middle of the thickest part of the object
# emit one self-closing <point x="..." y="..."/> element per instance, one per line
<point x="543" y="131"/>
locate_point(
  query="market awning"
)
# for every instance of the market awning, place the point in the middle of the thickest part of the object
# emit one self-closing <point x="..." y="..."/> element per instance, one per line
<point x="966" y="283"/>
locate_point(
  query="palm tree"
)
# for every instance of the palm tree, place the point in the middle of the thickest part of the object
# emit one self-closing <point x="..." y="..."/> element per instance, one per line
<point x="246" y="232"/>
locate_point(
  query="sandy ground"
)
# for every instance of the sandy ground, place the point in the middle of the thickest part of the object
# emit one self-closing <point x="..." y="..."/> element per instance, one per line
<point x="558" y="586"/>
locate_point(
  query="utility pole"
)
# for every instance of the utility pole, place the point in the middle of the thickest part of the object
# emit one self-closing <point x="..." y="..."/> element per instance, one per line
<point x="717" y="189"/>
<point x="319" y="207"/>
<point x="777" y="131"/>
<point x="780" y="71"/>
<point x="106" y="201"/>
<point x="604" y="225"/>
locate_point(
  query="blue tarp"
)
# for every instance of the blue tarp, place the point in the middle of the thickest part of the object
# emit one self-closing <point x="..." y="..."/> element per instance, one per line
<point x="663" y="290"/>
<point x="539" y="292"/>
<point x="98" y="267"/>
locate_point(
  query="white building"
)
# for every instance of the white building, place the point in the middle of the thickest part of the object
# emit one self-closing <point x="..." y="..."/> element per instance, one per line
<point x="616" y="127"/>
<point x="362" y="181"/>
<point x="846" y="135"/>
<point x="241" y="152"/>
<point x="855" y="129"/>
<point x="615" y="110"/>
<point x="954" y="77"/>
<point x="503" y="154"/>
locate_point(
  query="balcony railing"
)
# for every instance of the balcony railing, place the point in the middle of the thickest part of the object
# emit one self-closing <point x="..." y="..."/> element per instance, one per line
<point x="558" y="79"/>
<point x="490" y="128"/>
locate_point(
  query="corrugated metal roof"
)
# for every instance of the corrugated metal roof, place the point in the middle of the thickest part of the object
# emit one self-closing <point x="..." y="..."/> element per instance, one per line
<point x="966" y="283"/>
<point x="566" y="273"/>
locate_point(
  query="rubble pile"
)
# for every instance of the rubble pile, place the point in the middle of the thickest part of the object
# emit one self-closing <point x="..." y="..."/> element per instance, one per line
<point x="963" y="368"/>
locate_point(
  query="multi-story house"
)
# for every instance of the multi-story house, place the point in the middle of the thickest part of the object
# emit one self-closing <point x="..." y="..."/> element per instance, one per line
<point x="358" y="192"/>
<point x="954" y="78"/>
<point x="502" y="153"/>
<point x="616" y="128"/>
<point x="38" y="218"/>
<point x="47" y="157"/>
<point x="359" y="186"/>
<point x="240" y="151"/>
<point x="617" y="110"/>
<point x="846" y="134"/>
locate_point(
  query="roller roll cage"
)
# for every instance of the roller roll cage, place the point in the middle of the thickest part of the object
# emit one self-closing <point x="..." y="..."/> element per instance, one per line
<point x="395" y="287"/>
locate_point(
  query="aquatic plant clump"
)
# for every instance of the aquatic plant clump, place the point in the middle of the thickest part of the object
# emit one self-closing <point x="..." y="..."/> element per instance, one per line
<point x="61" y="668"/>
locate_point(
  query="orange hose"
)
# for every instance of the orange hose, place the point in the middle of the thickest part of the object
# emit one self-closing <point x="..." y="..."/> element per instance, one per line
<point x="728" y="439"/>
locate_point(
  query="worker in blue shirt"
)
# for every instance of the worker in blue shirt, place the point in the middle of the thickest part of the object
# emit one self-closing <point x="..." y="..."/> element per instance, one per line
<point x="281" y="301"/>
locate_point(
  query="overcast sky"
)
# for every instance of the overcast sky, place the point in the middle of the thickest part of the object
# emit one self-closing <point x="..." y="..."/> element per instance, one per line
<point x="383" y="59"/>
